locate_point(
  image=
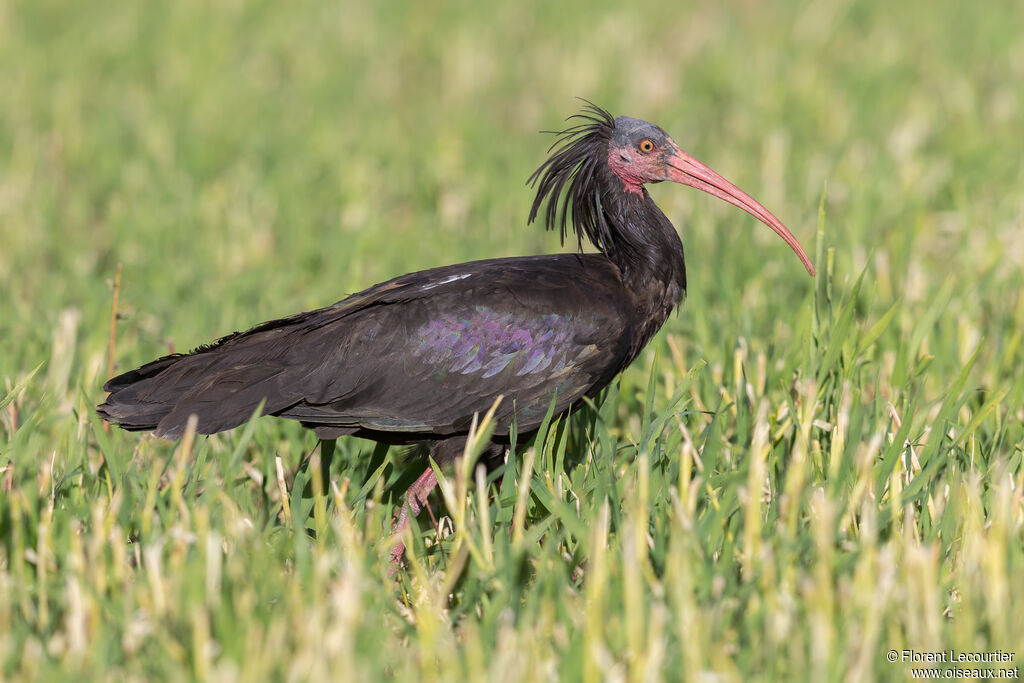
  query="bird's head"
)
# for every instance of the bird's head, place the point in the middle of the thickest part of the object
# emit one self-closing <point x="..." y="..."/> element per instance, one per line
<point x="636" y="152"/>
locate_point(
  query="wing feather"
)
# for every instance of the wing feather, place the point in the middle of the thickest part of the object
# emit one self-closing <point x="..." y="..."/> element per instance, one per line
<point x="418" y="354"/>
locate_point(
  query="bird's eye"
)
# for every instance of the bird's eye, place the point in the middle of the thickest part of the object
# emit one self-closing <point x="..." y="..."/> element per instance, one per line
<point x="646" y="146"/>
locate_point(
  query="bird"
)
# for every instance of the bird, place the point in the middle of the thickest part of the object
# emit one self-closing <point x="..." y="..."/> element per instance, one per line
<point x="416" y="359"/>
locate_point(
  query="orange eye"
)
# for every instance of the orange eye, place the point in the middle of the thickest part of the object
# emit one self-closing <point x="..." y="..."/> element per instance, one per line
<point x="646" y="146"/>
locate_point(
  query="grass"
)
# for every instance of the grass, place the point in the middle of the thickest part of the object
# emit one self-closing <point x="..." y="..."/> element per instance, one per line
<point x="796" y="477"/>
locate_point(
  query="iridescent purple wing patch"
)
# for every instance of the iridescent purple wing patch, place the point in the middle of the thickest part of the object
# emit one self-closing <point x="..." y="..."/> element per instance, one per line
<point x="487" y="342"/>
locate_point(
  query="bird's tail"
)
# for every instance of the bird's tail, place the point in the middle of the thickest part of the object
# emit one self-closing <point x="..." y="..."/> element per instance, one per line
<point x="133" y="402"/>
<point x="222" y="383"/>
<point x="222" y="386"/>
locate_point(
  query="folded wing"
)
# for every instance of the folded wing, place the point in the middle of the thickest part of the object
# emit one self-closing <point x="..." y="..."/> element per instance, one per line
<point x="415" y="356"/>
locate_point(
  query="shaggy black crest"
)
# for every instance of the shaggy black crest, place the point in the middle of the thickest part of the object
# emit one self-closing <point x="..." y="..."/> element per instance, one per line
<point x="579" y="162"/>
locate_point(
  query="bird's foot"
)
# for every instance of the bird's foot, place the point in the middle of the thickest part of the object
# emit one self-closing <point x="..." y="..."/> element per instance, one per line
<point x="415" y="500"/>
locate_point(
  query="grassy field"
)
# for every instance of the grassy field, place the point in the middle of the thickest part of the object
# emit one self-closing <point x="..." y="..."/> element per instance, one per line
<point x="795" y="478"/>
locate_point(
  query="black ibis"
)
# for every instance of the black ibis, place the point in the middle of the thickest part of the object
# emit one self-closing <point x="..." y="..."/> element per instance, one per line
<point x="413" y="359"/>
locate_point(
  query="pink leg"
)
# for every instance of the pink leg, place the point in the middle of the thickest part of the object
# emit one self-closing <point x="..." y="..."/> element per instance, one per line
<point x="415" y="499"/>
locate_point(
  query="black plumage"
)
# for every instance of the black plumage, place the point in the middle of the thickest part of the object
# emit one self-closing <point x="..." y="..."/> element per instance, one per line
<point x="412" y="360"/>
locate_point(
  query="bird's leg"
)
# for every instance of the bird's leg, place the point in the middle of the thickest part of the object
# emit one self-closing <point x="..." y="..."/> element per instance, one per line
<point x="326" y="447"/>
<point x="415" y="499"/>
<point x="326" y="455"/>
<point x="443" y="453"/>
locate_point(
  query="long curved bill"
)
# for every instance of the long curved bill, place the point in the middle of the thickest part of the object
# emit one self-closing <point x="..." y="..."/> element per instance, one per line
<point x="684" y="169"/>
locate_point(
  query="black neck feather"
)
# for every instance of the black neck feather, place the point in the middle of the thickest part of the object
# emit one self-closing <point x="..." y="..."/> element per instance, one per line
<point x="583" y="194"/>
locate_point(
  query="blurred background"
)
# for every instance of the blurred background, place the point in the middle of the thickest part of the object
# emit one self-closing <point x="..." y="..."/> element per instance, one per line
<point x="244" y="160"/>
